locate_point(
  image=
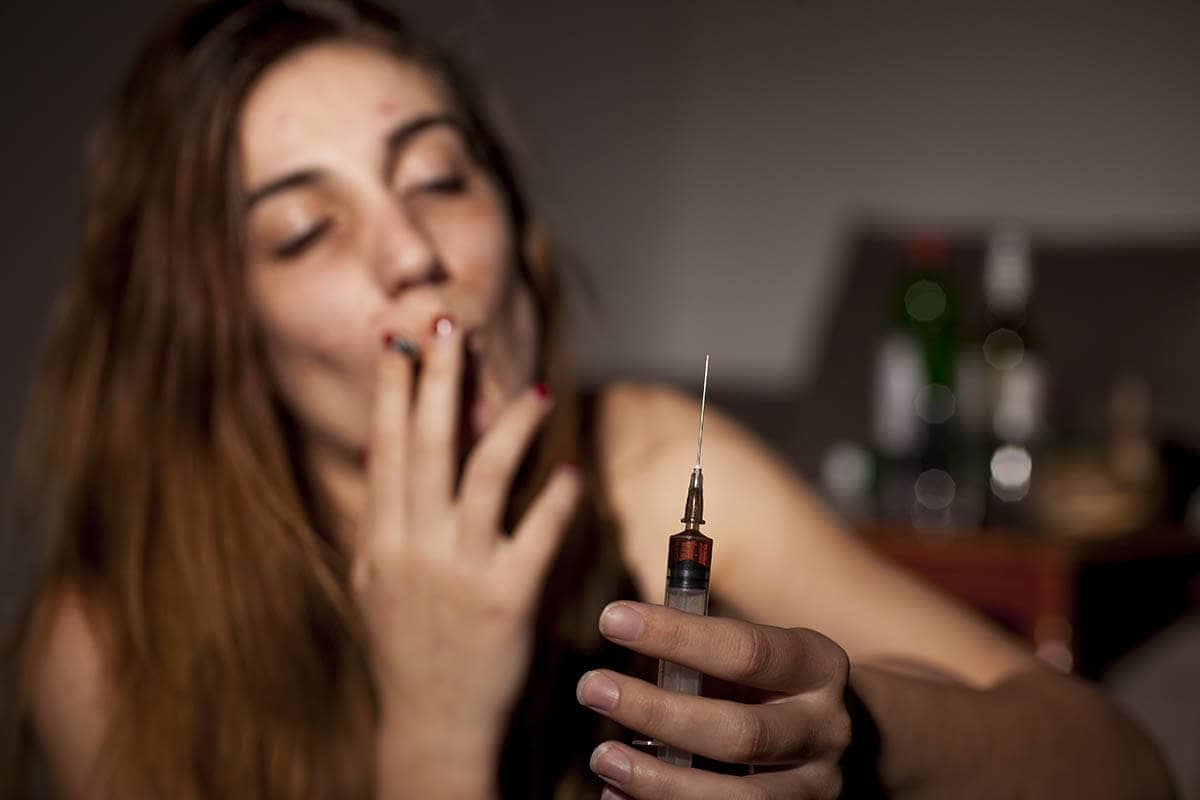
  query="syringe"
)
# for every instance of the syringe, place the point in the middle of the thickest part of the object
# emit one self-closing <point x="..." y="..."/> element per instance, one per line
<point x="689" y="558"/>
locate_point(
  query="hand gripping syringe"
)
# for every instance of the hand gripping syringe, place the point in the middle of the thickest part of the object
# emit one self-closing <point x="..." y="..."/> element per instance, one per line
<point x="689" y="558"/>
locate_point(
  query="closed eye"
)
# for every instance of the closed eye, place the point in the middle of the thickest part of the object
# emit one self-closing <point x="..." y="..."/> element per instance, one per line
<point x="294" y="247"/>
<point x="451" y="184"/>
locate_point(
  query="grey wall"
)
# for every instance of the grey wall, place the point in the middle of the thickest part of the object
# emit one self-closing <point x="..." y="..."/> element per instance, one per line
<point x="704" y="158"/>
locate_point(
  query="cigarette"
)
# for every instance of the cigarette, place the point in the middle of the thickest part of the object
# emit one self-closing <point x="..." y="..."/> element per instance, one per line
<point x="405" y="347"/>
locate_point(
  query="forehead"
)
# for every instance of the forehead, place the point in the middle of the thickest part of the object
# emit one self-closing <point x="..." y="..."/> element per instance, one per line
<point x="329" y="102"/>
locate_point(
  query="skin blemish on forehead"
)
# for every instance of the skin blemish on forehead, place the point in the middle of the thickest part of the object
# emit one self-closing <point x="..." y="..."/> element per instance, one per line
<point x="386" y="108"/>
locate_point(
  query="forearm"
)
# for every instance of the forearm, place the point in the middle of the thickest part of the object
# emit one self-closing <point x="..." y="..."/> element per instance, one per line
<point x="1036" y="735"/>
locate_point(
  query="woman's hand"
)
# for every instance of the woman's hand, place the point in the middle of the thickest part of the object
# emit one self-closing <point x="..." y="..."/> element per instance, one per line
<point x="448" y="600"/>
<point x="798" y="732"/>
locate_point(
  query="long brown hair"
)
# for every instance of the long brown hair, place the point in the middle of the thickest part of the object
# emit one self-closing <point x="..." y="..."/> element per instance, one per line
<point x="158" y="461"/>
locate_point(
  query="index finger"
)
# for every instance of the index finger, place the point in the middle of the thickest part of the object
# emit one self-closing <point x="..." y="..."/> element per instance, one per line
<point x="762" y="656"/>
<point x="390" y="433"/>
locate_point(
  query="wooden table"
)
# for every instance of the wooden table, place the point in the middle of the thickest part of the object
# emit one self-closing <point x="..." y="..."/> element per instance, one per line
<point x="1080" y="604"/>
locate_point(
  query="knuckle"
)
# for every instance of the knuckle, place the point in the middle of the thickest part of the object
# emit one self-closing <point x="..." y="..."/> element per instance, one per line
<point x="487" y="470"/>
<point x="828" y="658"/>
<point x="806" y="742"/>
<point x="839" y="732"/>
<point x="828" y="783"/>
<point x="756" y="654"/>
<point x="673" y="637"/>
<point x="839" y="664"/>
<point x="751" y="737"/>
<point x="378" y="566"/>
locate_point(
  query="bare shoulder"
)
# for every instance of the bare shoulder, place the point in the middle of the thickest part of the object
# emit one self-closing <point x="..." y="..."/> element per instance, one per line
<point x="636" y="431"/>
<point x="641" y="424"/>
<point x="647" y="438"/>
<point x="648" y="446"/>
<point x="69" y="687"/>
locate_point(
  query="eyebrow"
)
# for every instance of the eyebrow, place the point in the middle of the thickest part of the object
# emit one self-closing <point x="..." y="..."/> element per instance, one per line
<point x="397" y="140"/>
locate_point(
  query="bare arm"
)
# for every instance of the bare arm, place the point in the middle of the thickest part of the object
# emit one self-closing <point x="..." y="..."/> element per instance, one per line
<point x="1036" y="734"/>
<point x="70" y="693"/>
<point x="993" y="722"/>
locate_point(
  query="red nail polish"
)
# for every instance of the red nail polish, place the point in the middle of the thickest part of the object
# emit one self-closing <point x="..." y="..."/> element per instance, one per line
<point x="443" y="326"/>
<point x="542" y="390"/>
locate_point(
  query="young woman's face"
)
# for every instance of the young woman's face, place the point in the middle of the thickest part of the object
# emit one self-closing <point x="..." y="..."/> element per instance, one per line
<point x="367" y="216"/>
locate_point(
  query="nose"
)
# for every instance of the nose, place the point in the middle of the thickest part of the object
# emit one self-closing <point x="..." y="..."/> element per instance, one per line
<point x="405" y="253"/>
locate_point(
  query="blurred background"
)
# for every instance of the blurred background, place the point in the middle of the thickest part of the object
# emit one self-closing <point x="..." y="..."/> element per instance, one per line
<point x="945" y="256"/>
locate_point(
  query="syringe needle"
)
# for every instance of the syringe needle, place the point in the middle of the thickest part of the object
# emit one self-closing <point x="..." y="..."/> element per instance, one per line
<point x="689" y="561"/>
<point x="703" y="399"/>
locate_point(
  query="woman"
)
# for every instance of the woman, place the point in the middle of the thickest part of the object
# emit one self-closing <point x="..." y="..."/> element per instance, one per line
<point x="307" y="378"/>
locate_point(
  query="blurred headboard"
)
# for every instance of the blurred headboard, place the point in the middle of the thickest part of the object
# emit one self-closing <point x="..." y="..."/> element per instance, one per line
<point x="1100" y="311"/>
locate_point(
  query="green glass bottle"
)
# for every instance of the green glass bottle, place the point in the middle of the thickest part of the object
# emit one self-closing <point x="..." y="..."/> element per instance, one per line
<point x="915" y="401"/>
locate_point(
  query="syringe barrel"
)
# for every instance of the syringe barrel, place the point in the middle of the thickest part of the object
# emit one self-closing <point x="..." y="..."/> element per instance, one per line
<point x="676" y="678"/>
<point x="689" y="559"/>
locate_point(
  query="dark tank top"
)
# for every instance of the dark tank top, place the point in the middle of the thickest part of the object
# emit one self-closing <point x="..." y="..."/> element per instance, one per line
<point x="551" y="736"/>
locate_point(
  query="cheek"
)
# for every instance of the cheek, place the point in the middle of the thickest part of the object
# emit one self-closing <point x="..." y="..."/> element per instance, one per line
<point x="319" y="317"/>
<point x="315" y="334"/>
<point x="478" y="252"/>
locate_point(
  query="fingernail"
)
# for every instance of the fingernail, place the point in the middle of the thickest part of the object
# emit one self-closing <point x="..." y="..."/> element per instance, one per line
<point x="610" y="793"/>
<point x="443" y="326"/>
<point x="619" y="621"/>
<point x="542" y="391"/>
<point x="611" y="764"/>
<point x="597" y="691"/>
